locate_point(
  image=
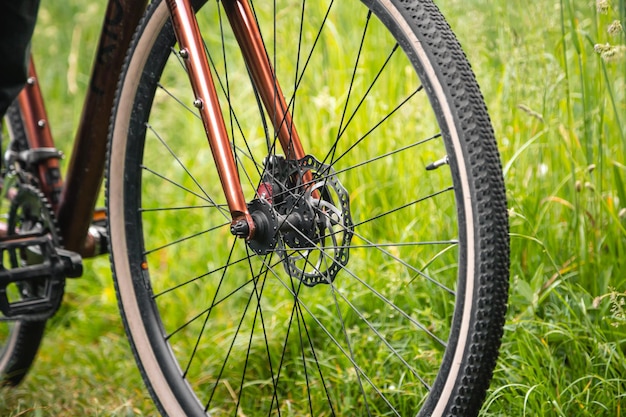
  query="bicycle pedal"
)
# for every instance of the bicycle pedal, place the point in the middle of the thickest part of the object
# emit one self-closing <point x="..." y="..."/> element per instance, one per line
<point x="33" y="292"/>
<point x="34" y="308"/>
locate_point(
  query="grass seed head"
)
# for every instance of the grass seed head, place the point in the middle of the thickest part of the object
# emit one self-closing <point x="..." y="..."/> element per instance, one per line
<point x="602" y="6"/>
<point x="615" y="28"/>
<point x="610" y="53"/>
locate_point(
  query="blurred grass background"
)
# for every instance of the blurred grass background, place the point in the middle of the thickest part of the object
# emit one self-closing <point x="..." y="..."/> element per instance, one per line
<point x="553" y="74"/>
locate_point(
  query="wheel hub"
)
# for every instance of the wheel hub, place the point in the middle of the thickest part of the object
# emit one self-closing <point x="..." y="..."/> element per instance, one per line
<point x="308" y="224"/>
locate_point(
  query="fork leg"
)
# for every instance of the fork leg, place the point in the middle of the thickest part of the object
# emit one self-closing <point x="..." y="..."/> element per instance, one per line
<point x="206" y="100"/>
<point x="248" y="36"/>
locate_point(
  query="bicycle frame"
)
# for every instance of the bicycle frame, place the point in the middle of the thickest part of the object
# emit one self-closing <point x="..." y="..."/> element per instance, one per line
<point x="74" y="198"/>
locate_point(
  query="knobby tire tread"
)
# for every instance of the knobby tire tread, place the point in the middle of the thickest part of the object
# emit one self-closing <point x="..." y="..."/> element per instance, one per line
<point x="490" y="204"/>
<point x="486" y="186"/>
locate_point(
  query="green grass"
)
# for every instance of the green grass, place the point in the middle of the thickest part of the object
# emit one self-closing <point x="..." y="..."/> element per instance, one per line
<point x="559" y="111"/>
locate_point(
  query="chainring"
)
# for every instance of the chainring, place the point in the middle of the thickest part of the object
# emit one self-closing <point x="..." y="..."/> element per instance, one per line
<point x="30" y="213"/>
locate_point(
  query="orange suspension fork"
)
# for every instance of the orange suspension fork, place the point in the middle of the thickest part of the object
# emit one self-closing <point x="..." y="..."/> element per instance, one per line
<point x="248" y="36"/>
<point x="206" y="100"/>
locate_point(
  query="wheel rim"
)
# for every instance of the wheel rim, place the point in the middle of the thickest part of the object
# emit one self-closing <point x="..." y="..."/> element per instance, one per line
<point x="250" y="337"/>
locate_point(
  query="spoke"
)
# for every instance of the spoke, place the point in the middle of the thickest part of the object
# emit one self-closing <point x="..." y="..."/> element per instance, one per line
<point x="353" y="76"/>
<point x="271" y="144"/>
<point x="310" y="54"/>
<point x="232" y="111"/>
<point x="232" y="344"/>
<point x="178" y="58"/>
<point x="192" y="280"/>
<point x="306" y="373"/>
<point x="334" y="341"/>
<point x="214" y="303"/>
<point x="234" y="120"/>
<point x="341" y="128"/>
<point x="395" y="307"/>
<point x="319" y="369"/>
<point x="294" y="191"/>
<point x="180" y="163"/>
<point x="150" y="210"/>
<point x="383" y="120"/>
<point x="298" y="55"/>
<point x="182" y="187"/>
<point x="383" y="339"/>
<point x="305" y="66"/>
<point x="427" y="264"/>
<point x="179" y="101"/>
<point x="376" y="332"/>
<point x="207" y="274"/>
<point x="275" y="70"/>
<point x="297" y="305"/>
<point x="224" y="88"/>
<point x="451" y="242"/>
<point x="208" y="309"/>
<point x="357" y="369"/>
<point x="381" y="296"/>
<point x="380" y="247"/>
<point x="182" y="239"/>
<point x="369" y="89"/>
<point x="404" y="206"/>
<point x="285" y="343"/>
<point x="246" y="174"/>
<point x="257" y="313"/>
<point x="300" y="319"/>
<point x="377" y="158"/>
<point x="195" y="348"/>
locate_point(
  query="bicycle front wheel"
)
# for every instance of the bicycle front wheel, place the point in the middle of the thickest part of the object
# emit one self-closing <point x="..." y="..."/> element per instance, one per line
<point x="386" y="294"/>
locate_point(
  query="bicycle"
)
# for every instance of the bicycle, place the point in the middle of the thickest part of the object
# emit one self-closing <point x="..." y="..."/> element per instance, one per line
<point x="305" y="209"/>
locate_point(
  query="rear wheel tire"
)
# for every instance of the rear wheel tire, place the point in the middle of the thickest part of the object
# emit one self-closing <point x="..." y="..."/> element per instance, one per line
<point x="390" y="302"/>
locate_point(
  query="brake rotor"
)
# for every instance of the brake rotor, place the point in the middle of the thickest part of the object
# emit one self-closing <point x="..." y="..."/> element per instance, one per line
<point x="321" y="262"/>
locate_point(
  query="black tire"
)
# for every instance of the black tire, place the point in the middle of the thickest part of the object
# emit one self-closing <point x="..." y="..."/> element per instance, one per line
<point x="19" y="340"/>
<point x="20" y="343"/>
<point x="410" y="321"/>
